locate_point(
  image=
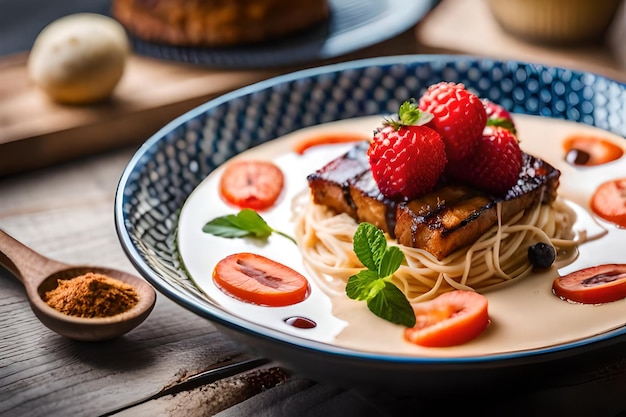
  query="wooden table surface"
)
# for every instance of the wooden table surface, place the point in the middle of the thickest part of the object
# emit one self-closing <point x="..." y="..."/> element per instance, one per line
<point x="178" y="364"/>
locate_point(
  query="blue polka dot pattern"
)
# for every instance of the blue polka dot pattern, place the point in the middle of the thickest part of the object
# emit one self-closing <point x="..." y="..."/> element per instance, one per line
<point x="174" y="161"/>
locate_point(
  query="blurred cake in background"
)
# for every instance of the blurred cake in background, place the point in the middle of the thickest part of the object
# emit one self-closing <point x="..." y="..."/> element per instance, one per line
<point x="218" y="23"/>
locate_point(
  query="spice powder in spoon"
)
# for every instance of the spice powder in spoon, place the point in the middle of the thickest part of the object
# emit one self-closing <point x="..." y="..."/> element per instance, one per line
<point x="92" y="295"/>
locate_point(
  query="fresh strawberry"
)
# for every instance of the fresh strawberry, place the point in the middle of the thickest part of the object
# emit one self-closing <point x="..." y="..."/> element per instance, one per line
<point x="459" y="117"/>
<point x="498" y="116"/>
<point x="495" y="164"/>
<point x="406" y="157"/>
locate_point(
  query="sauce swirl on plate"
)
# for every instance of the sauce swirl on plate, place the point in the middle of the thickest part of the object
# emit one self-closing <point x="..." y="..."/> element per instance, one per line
<point x="588" y="150"/>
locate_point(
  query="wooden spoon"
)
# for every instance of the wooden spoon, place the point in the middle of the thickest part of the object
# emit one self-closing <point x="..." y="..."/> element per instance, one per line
<point x="40" y="274"/>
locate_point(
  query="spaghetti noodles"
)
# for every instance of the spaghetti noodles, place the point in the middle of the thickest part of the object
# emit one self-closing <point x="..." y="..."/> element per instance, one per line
<point x="499" y="255"/>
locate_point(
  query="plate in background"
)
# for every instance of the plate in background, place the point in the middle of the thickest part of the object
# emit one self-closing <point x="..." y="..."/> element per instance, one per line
<point x="353" y="25"/>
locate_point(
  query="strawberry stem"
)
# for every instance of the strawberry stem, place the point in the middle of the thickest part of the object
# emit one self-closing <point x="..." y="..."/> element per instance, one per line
<point x="409" y="114"/>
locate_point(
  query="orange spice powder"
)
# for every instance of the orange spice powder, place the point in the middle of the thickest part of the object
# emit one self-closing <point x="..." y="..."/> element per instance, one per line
<point x="92" y="295"/>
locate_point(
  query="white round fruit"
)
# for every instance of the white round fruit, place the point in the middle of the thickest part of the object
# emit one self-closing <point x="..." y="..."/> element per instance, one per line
<point x="80" y="58"/>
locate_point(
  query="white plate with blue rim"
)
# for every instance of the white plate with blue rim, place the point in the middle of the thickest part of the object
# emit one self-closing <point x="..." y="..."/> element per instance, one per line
<point x="168" y="192"/>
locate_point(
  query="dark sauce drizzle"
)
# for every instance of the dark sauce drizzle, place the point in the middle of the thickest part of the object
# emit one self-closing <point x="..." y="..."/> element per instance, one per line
<point x="300" y="322"/>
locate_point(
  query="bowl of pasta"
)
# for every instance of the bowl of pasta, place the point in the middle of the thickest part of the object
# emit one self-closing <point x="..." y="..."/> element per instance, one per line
<point x="335" y="220"/>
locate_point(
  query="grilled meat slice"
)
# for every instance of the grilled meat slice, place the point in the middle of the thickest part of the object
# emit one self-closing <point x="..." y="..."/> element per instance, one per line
<point x="330" y="185"/>
<point x="370" y="204"/>
<point x="346" y="185"/>
<point x="441" y="222"/>
<point x="448" y="218"/>
<point x="455" y="216"/>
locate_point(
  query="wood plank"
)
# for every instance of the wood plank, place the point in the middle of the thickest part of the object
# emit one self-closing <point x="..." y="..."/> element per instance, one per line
<point x="212" y="398"/>
<point x="67" y="215"/>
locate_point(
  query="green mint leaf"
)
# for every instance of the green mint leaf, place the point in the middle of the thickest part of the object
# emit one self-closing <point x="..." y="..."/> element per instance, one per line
<point x="390" y="262"/>
<point x="251" y="221"/>
<point x="364" y="285"/>
<point x="391" y="304"/>
<point x="369" y="245"/>
<point x="373" y="284"/>
<point x="246" y="223"/>
<point x="224" y="227"/>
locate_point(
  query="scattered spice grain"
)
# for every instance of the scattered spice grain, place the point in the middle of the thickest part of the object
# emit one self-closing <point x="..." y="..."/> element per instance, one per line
<point x="92" y="295"/>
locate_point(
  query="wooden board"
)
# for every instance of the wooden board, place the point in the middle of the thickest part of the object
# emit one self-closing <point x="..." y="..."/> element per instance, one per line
<point x="36" y="132"/>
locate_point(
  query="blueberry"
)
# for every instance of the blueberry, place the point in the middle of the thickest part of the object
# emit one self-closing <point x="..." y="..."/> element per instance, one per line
<point x="541" y="255"/>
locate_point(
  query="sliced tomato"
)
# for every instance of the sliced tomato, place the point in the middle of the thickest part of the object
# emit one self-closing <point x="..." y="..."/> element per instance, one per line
<point x="259" y="280"/>
<point x="609" y="201"/>
<point x="328" y="139"/>
<point x="251" y="184"/>
<point x="595" y="285"/>
<point x="451" y="319"/>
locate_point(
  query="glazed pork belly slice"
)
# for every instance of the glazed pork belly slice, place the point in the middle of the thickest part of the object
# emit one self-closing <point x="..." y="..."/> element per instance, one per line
<point x="448" y="218"/>
<point x="330" y="185"/>
<point x="455" y="216"/>
<point x="346" y="185"/>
